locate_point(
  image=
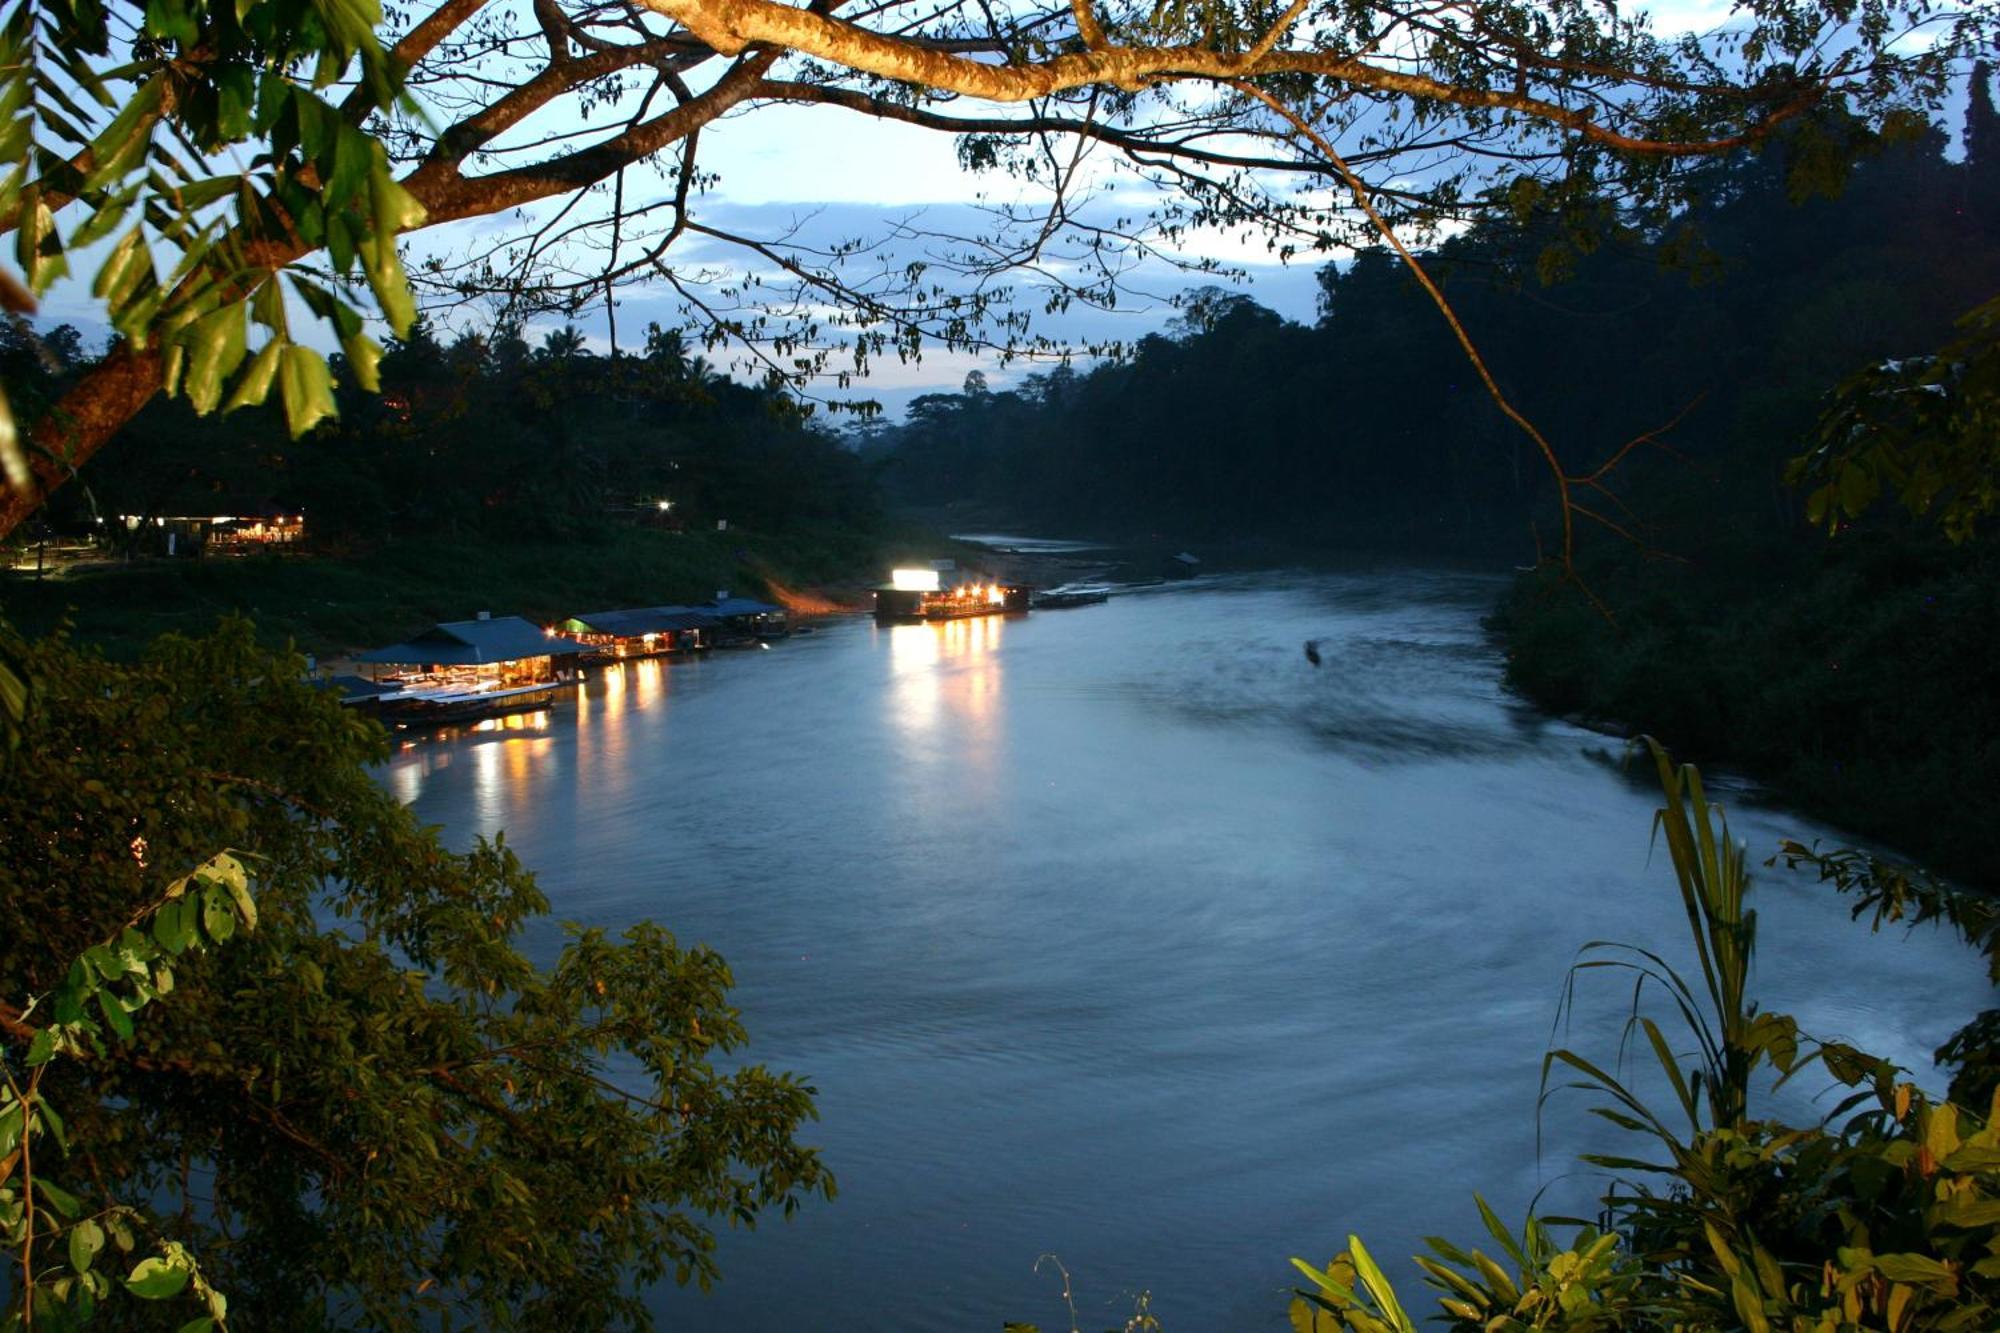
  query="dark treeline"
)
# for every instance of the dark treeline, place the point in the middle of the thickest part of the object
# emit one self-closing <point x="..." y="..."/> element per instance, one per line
<point x="1855" y="672"/>
<point x="484" y="437"/>
<point x="1370" y="430"/>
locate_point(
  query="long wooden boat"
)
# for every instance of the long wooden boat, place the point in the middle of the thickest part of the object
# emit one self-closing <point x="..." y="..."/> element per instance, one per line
<point x="1056" y="599"/>
<point x="437" y="708"/>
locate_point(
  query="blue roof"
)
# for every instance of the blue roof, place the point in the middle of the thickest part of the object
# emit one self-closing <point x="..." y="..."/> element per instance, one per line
<point x="640" y="620"/>
<point x="474" y="643"/>
<point x="355" y="687"/>
<point x="739" y="606"/>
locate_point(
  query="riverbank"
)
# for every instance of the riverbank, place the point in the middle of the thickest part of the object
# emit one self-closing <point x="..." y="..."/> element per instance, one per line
<point x="331" y="604"/>
<point x="1855" y="678"/>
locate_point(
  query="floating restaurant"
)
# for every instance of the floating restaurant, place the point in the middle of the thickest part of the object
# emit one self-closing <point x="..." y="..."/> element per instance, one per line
<point x="921" y="594"/>
<point x="465" y="669"/>
<point x="745" y="620"/>
<point x="644" y="631"/>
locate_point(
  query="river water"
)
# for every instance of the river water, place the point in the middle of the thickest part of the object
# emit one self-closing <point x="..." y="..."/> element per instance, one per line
<point x="1125" y="934"/>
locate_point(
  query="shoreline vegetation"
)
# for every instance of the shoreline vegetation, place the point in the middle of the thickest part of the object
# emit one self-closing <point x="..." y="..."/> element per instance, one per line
<point x="330" y="604"/>
<point x="1855" y="678"/>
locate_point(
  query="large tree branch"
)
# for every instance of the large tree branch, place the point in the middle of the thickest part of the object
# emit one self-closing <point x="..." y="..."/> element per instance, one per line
<point x="110" y="395"/>
<point x="731" y="25"/>
<point x="448" y="195"/>
<point x="462" y="139"/>
<point x="114" y="390"/>
<point x="1137" y="144"/>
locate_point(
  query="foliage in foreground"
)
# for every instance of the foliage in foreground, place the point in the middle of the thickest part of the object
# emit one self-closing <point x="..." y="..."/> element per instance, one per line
<point x="1885" y="1214"/>
<point x="55" y="1242"/>
<point x="376" y="1110"/>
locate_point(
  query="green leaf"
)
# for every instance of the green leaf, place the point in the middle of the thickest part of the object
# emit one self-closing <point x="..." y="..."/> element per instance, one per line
<point x="1379" y="1286"/>
<point x="45" y="1111"/>
<point x="1917" y="1269"/>
<point x="38" y="245"/>
<point x="200" y="194"/>
<point x="13" y="1118"/>
<point x="173" y="925"/>
<point x="43" y="1048"/>
<point x="238" y="888"/>
<point x="216" y="346"/>
<point x="58" y="1198"/>
<point x="201" y="1325"/>
<point x="254" y="385"/>
<point x="1498" y="1230"/>
<point x="1325" y="1282"/>
<point x="86" y="1238"/>
<point x="267" y="303"/>
<point x="235" y="95"/>
<point x="217" y="920"/>
<point x="119" y="150"/>
<point x="174" y="356"/>
<point x="353" y="155"/>
<point x="318" y="124"/>
<point x="364" y="355"/>
<point x="393" y="210"/>
<point x="307" y="387"/>
<point x="156" y="1279"/>
<point x="172" y="21"/>
<point x="115" y="1015"/>
<point x="106" y="219"/>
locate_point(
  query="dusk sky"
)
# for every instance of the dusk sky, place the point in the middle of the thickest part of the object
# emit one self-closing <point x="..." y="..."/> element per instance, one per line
<point x="828" y="174"/>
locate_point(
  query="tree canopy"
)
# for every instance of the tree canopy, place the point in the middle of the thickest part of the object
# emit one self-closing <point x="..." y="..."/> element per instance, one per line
<point x="296" y="139"/>
<point x="373" y="1110"/>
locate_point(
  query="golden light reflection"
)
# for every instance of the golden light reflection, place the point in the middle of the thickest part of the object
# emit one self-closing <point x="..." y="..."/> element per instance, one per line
<point x="503" y="753"/>
<point x="610" y="749"/>
<point x="506" y="763"/>
<point x="945" y="683"/>
<point x="535" y="721"/>
<point x="622" y="686"/>
<point x="649" y="681"/>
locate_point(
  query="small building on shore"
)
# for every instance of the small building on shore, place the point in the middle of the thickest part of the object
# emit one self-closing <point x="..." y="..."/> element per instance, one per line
<point x="644" y="631"/>
<point x="465" y="669"/>
<point x="243" y="530"/>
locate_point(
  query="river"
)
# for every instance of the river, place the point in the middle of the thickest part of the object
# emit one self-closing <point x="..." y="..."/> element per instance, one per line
<point x="1125" y="934"/>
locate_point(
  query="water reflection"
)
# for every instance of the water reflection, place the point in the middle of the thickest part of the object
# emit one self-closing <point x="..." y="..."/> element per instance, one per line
<point x="945" y="673"/>
<point x="608" y="748"/>
<point x="504" y="760"/>
<point x="482" y="743"/>
<point x="943" y="705"/>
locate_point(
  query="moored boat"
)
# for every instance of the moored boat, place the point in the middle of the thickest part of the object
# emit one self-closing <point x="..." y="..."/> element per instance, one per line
<point x="1056" y="599"/>
<point x="920" y="594"/>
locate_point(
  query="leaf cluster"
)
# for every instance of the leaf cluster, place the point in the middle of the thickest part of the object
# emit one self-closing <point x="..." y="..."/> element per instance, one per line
<point x="1923" y="430"/>
<point x="125" y="116"/>
<point x="57" y="1287"/>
